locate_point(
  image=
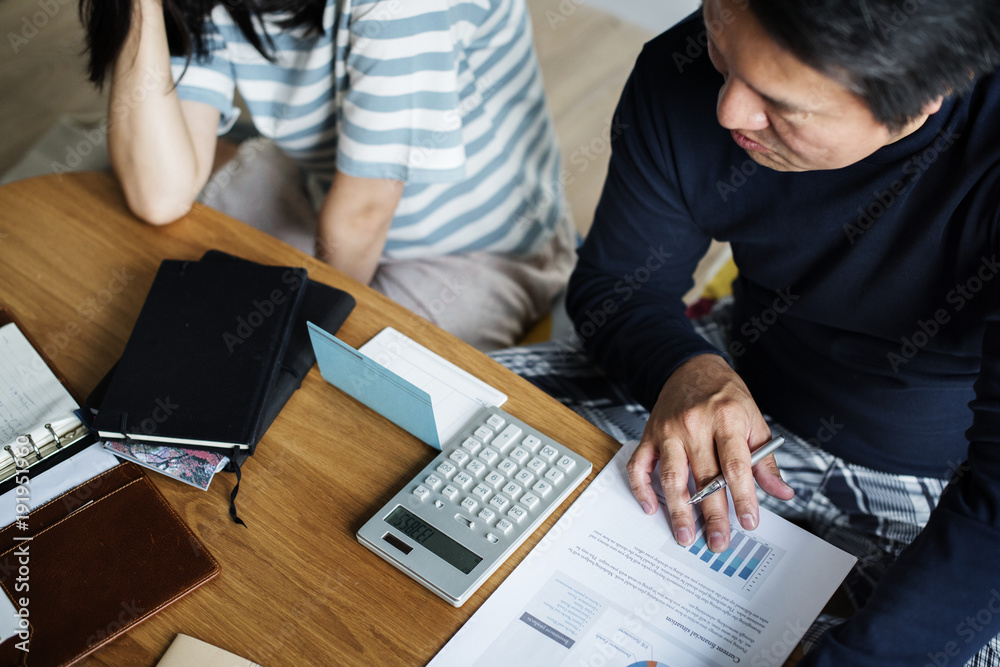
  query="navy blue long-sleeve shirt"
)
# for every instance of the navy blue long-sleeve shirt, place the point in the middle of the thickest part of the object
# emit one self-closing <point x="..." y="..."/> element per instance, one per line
<point x="866" y="298"/>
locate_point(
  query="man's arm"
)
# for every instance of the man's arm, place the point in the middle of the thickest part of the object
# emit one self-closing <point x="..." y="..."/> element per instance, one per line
<point x="354" y="221"/>
<point x="161" y="148"/>
<point x="626" y="301"/>
<point x="939" y="602"/>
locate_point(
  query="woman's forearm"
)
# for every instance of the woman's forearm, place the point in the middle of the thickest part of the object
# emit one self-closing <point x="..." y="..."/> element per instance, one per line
<point x="161" y="154"/>
<point x="353" y="223"/>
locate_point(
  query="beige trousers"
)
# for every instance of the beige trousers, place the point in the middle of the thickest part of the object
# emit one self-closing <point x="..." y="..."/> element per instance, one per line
<point x="489" y="300"/>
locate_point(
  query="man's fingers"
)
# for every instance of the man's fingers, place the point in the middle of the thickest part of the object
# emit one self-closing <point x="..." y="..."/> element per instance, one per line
<point x="674" y="480"/>
<point x="770" y="481"/>
<point x="734" y="458"/>
<point x="639" y="468"/>
<point x="715" y="510"/>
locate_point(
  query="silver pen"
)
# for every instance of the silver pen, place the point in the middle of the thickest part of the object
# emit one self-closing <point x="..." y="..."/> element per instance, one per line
<point x="720" y="481"/>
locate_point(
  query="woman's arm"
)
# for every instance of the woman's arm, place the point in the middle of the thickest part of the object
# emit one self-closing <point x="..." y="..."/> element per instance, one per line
<point x="161" y="148"/>
<point x="354" y="221"/>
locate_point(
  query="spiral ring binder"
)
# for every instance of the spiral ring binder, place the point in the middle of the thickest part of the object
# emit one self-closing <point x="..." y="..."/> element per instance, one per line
<point x="59" y="431"/>
<point x="29" y="450"/>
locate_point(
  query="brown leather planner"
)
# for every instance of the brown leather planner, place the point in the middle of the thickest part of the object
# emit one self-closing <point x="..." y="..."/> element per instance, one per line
<point x="93" y="562"/>
<point x="101" y="558"/>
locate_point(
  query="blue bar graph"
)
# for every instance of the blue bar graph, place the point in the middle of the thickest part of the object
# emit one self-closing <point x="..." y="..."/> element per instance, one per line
<point x="740" y="557"/>
<point x="734" y="542"/>
<point x="742" y="567"/>
<point x="700" y="543"/>
<point x="754" y="562"/>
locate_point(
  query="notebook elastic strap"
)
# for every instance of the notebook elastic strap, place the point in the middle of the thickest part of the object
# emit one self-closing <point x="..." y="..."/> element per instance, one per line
<point x="235" y="462"/>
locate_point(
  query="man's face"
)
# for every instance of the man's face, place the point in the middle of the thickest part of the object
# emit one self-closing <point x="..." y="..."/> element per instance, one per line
<point x="784" y="114"/>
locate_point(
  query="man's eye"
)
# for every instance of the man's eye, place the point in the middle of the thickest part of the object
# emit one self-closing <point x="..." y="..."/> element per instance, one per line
<point x="716" y="57"/>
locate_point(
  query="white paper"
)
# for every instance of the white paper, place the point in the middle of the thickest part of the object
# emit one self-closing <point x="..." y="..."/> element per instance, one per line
<point x="30" y="393"/>
<point x="608" y="585"/>
<point x="456" y="395"/>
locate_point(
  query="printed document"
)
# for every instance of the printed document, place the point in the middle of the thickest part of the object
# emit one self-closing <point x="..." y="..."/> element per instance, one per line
<point x="608" y="585"/>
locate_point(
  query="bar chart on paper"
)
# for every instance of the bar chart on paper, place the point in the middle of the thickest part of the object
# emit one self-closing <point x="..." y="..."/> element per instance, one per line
<point x="741" y="568"/>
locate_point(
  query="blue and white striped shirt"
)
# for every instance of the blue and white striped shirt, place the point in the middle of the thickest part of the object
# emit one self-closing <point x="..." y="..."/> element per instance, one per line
<point x="444" y="95"/>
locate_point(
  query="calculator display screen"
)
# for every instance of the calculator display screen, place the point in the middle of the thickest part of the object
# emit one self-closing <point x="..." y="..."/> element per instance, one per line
<point x="433" y="540"/>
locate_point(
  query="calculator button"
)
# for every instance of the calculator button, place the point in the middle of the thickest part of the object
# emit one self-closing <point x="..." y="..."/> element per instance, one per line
<point x="446" y="469"/>
<point x="524" y="477"/>
<point x="449" y="492"/>
<point x="482" y="491"/>
<point x="421" y="492"/>
<point x="566" y="464"/>
<point x="542" y="488"/>
<point x="504" y="526"/>
<point x="517" y="513"/>
<point x="548" y="453"/>
<point x="469" y="505"/>
<point x="499" y="503"/>
<point x="531" y="443"/>
<point x="507" y="467"/>
<point x="506" y="437"/>
<point x="487" y="515"/>
<point x="462" y="480"/>
<point x="459" y="456"/>
<point x="495" y="422"/>
<point x="484" y="433"/>
<point x="495" y="479"/>
<point x="475" y="467"/>
<point x="471" y="445"/>
<point x="519" y="454"/>
<point x="536" y="465"/>
<point x="433" y="482"/>
<point x="513" y="490"/>
<point x="489" y="455"/>
<point x="555" y="476"/>
<point x="530" y="500"/>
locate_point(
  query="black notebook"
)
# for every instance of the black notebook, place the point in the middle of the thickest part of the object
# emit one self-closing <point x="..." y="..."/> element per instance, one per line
<point x="204" y="355"/>
<point x="323" y="305"/>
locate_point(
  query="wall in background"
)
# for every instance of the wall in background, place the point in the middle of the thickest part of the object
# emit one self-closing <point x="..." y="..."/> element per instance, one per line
<point x="652" y="15"/>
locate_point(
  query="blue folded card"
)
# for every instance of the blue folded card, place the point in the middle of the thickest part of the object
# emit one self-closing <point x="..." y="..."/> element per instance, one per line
<point x="375" y="385"/>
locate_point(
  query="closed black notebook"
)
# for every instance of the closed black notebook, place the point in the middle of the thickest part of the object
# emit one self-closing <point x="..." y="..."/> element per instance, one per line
<point x="204" y="355"/>
<point x="322" y="305"/>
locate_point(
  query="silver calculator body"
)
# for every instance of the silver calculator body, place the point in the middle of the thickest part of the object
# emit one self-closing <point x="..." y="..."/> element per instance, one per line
<point x="465" y="513"/>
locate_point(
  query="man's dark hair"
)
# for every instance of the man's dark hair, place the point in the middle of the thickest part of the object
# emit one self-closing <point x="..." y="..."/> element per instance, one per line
<point x="107" y="23"/>
<point x="896" y="55"/>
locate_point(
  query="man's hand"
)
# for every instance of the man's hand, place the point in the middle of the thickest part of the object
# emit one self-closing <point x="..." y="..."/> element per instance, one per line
<point x="354" y="221"/>
<point x="705" y="418"/>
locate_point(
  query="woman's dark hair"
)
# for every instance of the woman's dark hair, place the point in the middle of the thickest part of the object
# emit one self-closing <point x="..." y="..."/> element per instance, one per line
<point x="107" y="24"/>
<point x="896" y="55"/>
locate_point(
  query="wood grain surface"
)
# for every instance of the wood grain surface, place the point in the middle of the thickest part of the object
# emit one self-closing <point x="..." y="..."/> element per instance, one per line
<point x="296" y="587"/>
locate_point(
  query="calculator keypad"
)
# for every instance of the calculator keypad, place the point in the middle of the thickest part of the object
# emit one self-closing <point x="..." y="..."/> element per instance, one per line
<point x="498" y="477"/>
<point x="490" y="487"/>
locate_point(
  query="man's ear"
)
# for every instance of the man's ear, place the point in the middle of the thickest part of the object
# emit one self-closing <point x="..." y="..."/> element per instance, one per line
<point x="932" y="107"/>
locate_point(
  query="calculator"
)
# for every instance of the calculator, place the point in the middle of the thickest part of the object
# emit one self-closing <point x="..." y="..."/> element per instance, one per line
<point x="464" y="514"/>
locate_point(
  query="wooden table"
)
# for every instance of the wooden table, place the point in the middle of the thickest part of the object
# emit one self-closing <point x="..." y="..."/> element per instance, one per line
<point x="296" y="587"/>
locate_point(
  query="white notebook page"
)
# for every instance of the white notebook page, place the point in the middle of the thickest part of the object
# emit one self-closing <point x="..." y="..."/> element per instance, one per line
<point x="30" y="394"/>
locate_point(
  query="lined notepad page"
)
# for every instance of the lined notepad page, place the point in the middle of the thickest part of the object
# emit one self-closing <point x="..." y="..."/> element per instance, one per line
<point x="30" y="394"/>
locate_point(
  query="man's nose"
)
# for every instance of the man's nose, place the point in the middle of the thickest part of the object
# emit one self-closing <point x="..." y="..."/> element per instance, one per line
<point x="739" y="107"/>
